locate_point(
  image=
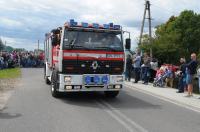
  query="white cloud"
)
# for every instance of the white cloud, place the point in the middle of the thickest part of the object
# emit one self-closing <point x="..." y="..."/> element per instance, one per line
<point x="20" y="43"/>
<point x="36" y="16"/>
<point x="6" y="22"/>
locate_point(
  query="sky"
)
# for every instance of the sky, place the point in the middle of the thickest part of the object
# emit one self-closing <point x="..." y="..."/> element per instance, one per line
<point x="24" y="22"/>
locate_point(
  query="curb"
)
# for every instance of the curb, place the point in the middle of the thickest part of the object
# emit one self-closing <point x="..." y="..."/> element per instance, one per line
<point x="185" y="105"/>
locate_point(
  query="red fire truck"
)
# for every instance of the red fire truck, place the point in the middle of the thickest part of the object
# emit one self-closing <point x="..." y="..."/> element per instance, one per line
<point x="82" y="57"/>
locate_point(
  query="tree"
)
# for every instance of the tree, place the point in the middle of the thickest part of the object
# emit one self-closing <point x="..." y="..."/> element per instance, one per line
<point x="20" y="49"/>
<point x="178" y="37"/>
<point x="9" y="48"/>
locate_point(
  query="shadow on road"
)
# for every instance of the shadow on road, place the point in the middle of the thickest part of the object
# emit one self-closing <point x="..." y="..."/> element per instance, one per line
<point x="123" y="101"/>
<point x="5" y="115"/>
<point x="9" y="115"/>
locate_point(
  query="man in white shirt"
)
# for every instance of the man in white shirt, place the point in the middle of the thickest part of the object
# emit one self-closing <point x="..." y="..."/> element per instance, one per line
<point x="136" y="65"/>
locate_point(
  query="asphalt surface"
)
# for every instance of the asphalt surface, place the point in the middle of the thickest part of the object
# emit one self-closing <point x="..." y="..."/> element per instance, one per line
<point x="32" y="109"/>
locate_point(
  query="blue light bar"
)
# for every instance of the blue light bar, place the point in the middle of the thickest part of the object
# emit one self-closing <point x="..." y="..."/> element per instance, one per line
<point x="106" y="26"/>
<point x="84" y="24"/>
<point x="96" y="25"/>
<point x="73" y="23"/>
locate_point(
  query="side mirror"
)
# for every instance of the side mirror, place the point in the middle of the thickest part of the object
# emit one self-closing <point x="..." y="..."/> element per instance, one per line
<point x="54" y="40"/>
<point x="128" y="44"/>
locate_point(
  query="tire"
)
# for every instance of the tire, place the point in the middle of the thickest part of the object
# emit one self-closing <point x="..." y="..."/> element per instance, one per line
<point x="111" y="94"/>
<point x="54" y="92"/>
<point x="55" y="85"/>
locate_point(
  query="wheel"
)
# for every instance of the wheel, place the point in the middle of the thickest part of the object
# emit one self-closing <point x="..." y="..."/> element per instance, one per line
<point x="111" y="94"/>
<point x="55" y="85"/>
<point x="54" y="91"/>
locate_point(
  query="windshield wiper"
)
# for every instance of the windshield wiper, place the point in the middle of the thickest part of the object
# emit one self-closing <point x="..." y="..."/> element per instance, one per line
<point x="71" y="44"/>
<point x="80" y="46"/>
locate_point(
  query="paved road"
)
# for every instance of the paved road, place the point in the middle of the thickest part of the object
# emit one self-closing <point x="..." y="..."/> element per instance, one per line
<point x="32" y="109"/>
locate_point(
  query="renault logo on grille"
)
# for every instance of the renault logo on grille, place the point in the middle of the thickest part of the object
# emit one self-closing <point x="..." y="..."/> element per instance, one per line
<point x="95" y="65"/>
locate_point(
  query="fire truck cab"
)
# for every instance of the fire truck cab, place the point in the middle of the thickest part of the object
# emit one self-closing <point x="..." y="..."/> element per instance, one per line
<point x="82" y="57"/>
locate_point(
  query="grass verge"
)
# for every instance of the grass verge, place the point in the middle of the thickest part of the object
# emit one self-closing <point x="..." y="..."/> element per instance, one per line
<point x="10" y="73"/>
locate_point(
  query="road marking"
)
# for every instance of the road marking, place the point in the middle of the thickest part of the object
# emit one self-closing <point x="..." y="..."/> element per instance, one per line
<point x="129" y="124"/>
<point x="164" y="99"/>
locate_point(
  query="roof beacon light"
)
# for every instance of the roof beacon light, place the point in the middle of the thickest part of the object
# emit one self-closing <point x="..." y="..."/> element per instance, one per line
<point x="96" y="25"/>
<point x="106" y="26"/>
<point x="84" y="24"/>
<point x="73" y="23"/>
<point x="117" y="27"/>
<point x="111" y="25"/>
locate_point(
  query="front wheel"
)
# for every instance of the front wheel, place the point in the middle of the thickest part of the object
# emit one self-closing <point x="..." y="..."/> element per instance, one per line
<point x="111" y="94"/>
<point x="54" y="91"/>
<point x="55" y="85"/>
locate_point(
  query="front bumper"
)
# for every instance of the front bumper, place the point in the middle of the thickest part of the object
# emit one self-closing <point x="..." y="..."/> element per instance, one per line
<point x="77" y="83"/>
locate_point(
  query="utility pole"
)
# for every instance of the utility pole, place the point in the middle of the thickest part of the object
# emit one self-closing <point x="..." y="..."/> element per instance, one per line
<point x="38" y="46"/>
<point x="146" y="9"/>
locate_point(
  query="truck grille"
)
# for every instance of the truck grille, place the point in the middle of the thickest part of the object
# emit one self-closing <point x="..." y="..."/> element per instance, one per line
<point x="92" y="67"/>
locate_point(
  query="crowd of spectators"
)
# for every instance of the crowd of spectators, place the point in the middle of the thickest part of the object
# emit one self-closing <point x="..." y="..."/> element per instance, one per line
<point x="146" y="69"/>
<point x="141" y="67"/>
<point x="21" y="59"/>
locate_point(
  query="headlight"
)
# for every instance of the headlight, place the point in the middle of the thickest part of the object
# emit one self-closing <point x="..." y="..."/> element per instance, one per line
<point x="119" y="78"/>
<point x="68" y="78"/>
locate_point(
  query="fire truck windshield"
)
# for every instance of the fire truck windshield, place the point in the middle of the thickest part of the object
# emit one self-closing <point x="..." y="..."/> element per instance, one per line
<point x="111" y="41"/>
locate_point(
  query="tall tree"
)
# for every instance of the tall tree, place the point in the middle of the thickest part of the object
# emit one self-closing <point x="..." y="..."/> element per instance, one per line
<point x="178" y="37"/>
<point x="2" y="46"/>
